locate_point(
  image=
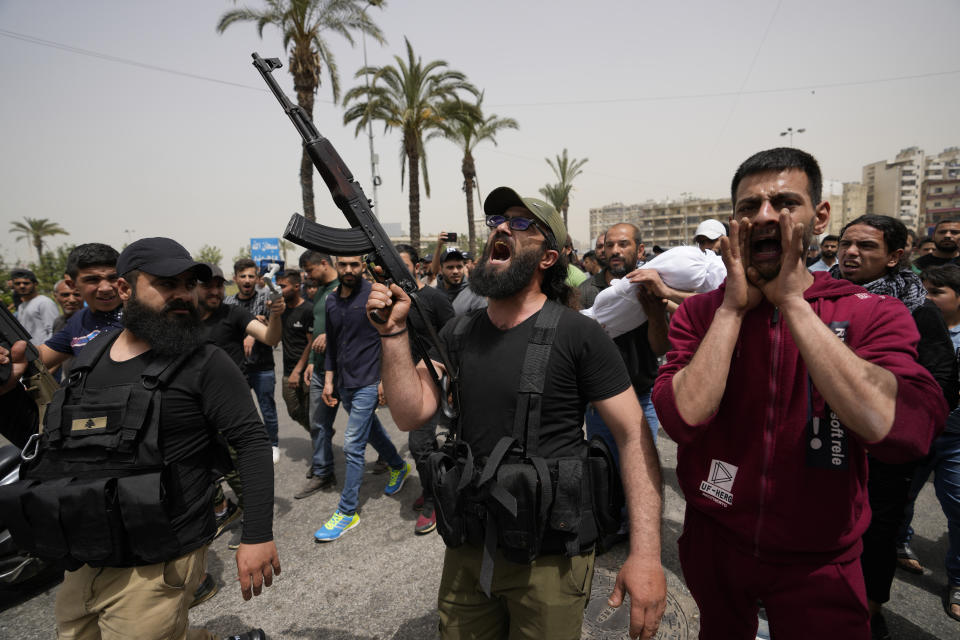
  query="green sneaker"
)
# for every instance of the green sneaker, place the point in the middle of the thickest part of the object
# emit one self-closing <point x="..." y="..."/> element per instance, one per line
<point x="397" y="478"/>
<point x="336" y="526"/>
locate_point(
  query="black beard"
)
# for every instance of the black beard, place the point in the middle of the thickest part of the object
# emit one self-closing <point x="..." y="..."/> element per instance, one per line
<point x="946" y="246"/>
<point x="622" y="270"/>
<point x="491" y="283"/>
<point x="167" y="335"/>
<point x="207" y="308"/>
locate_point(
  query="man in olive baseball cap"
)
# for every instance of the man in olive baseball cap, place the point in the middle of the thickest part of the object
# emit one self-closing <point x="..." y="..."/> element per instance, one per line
<point x="502" y="198"/>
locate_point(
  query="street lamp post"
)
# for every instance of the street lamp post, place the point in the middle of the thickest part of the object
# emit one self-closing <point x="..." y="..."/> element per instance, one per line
<point x="789" y="132"/>
<point x="374" y="178"/>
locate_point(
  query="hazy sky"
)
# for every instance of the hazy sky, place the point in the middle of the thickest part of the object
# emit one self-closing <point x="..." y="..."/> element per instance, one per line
<point x="664" y="98"/>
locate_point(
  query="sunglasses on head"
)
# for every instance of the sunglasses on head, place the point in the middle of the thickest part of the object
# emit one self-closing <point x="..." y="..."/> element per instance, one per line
<point x="517" y="224"/>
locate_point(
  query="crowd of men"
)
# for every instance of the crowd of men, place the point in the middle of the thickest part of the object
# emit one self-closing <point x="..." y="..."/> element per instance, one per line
<point x="799" y="470"/>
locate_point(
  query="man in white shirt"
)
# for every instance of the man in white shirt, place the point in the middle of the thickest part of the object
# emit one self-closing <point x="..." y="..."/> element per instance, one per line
<point x="36" y="313"/>
<point x="828" y="254"/>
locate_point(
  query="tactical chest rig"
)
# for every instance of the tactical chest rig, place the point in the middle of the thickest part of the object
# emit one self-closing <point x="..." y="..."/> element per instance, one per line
<point x="515" y="500"/>
<point x="93" y="485"/>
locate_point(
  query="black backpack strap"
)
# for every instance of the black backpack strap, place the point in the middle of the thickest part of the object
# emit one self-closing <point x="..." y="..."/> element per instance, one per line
<point x="526" y="419"/>
<point x="462" y="327"/>
<point x="155" y="376"/>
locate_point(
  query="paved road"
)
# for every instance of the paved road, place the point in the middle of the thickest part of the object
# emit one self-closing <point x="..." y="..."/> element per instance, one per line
<point x="379" y="581"/>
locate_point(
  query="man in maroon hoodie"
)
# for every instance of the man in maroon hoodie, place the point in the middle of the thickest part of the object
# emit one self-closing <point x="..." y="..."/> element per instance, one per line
<point x="777" y="385"/>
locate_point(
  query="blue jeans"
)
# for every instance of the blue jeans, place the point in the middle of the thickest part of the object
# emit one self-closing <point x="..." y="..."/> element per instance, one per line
<point x="946" y="480"/>
<point x="263" y="383"/>
<point x="321" y="426"/>
<point x="596" y="426"/>
<point x="944" y="461"/>
<point x="363" y="426"/>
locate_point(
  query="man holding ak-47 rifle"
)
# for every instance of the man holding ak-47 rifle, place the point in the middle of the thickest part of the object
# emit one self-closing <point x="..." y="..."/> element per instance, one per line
<point x="522" y="274"/>
<point x="520" y="525"/>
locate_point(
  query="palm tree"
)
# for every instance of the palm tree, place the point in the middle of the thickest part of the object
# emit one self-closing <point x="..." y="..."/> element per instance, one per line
<point x="34" y="230"/>
<point x="466" y="130"/>
<point x="556" y="194"/>
<point x="416" y="98"/>
<point x="303" y="23"/>
<point x="566" y="170"/>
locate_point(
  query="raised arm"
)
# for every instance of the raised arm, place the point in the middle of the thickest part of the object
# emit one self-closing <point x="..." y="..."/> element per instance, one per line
<point x="863" y="395"/>
<point x="271" y="332"/>
<point x="699" y="386"/>
<point x="411" y="394"/>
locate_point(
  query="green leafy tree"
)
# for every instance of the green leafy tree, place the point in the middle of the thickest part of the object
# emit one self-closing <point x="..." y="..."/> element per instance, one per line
<point x="556" y="194"/>
<point x="467" y="129"/>
<point x="412" y="96"/>
<point x="287" y="247"/>
<point x="242" y="252"/>
<point x="566" y="169"/>
<point x="210" y="255"/>
<point x="50" y="267"/>
<point x="34" y="230"/>
<point x="304" y="23"/>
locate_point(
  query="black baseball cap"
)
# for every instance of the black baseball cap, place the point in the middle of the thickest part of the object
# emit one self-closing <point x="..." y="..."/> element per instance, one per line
<point x="215" y="272"/>
<point x="454" y="253"/>
<point x="160" y="257"/>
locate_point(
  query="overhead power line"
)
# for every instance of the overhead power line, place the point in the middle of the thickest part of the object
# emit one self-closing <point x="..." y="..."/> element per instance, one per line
<point x="555" y="103"/>
<point x="725" y="94"/>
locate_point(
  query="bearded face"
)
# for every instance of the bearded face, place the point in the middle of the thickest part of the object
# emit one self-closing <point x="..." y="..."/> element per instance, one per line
<point x="492" y="280"/>
<point x="171" y="331"/>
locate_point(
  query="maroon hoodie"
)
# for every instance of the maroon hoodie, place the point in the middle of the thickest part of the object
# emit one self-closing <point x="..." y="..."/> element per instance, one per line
<point x="779" y="474"/>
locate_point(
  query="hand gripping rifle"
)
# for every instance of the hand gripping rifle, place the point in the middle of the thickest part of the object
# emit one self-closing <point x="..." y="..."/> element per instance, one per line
<point x="37" y="380"/>
<point x="365" y="235"/>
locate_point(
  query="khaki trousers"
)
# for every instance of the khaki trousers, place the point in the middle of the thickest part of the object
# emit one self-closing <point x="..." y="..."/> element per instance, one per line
<point x="544" y="599"/>
<point x="123" y="603"/>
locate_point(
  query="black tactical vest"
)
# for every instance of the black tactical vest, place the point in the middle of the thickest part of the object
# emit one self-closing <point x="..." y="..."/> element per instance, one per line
<point x="515" y="500"/>
<point x="94" y="487"/>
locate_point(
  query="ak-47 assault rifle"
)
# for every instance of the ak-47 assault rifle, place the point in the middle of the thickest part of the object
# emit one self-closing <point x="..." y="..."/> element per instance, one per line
<point x="37" y="380"/>
<point x="365" y="235"/>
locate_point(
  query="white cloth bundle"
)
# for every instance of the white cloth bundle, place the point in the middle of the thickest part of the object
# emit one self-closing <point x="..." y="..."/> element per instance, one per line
<point x="684" y="268"/>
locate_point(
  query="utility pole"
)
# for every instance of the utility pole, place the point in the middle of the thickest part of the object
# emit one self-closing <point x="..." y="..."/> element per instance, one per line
<point x="374" y="178"/>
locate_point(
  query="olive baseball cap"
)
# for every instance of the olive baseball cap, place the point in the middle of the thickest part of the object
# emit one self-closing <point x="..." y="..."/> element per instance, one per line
<point x="502" y="198"/>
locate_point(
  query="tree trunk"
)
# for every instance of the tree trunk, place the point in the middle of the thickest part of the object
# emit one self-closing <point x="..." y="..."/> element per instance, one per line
<point x="468" y="175"/>
<point x="305" y="84"/>
<point x="413" y="163"/>
<point x="38" y="245"/>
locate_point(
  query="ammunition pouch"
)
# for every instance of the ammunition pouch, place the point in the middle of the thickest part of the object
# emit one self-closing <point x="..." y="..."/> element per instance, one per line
<point x="514" y="500"/>
<point x="95" y="489"/>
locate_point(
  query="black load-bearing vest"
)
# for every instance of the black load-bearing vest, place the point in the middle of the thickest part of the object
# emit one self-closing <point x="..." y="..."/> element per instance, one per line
<point x="94" y="487"/>
<point x="514" y="499"/>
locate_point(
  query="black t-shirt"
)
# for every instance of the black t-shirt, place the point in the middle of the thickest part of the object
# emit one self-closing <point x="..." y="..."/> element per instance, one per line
<point x="297" y="323"/>
<point x="584" y="366"/>
<point x="930" y="260"/>
<point x="227" y="327"/>
<point x="436" y="309"/>
<point x="208" y="392"/>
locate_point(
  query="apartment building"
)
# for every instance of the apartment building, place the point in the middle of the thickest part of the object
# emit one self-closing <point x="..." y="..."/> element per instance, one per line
<point x="668" y="223"/>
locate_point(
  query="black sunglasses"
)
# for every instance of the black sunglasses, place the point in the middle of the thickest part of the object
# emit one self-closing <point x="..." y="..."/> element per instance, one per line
<point x="517" y="224"/>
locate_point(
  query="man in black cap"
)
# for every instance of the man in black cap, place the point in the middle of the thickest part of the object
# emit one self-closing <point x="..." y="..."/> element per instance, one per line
<point x="135" y="573"/>
<point x="487" y="592"/>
